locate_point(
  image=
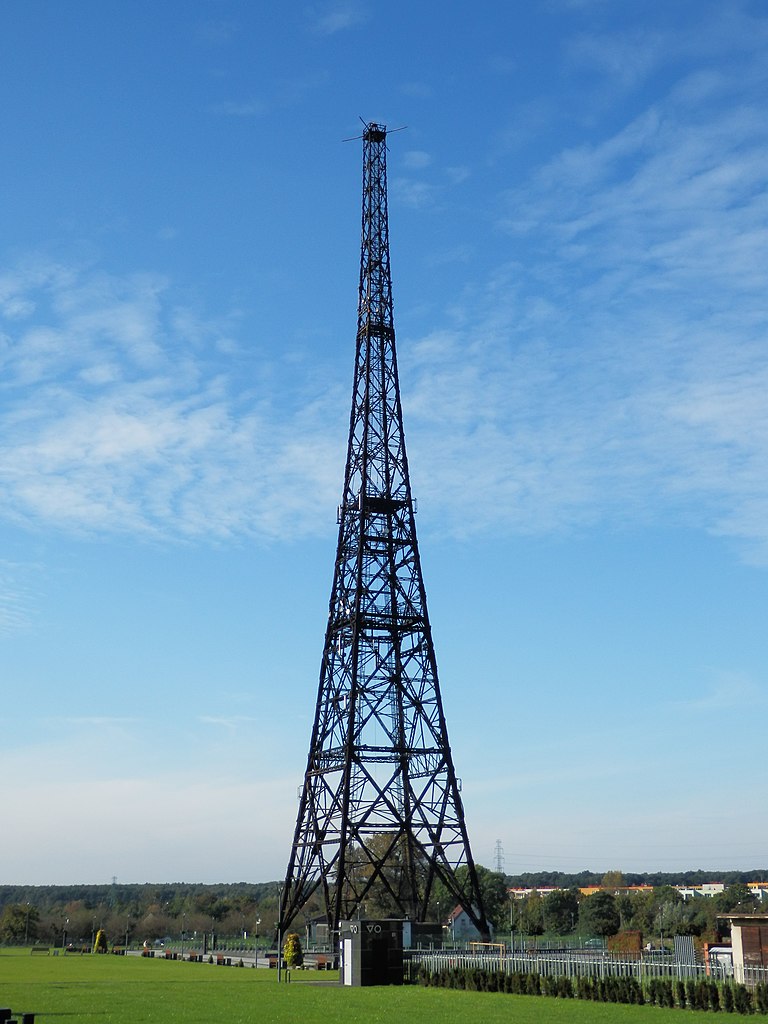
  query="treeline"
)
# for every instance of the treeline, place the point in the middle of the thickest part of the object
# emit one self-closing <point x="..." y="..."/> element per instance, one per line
<point x="55" y="914"/>
<point x="583" y="879"/>
<point x="60" y="914"/>
<point x="176" y="895"/>
<point x="657" y="913"/>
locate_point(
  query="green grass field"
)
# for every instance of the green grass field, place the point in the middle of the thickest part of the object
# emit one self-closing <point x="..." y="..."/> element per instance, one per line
<point x="130" y="990"/>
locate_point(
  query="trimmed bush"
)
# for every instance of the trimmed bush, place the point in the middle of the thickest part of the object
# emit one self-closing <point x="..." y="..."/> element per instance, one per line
<point x="702" y="994"/>
<point x="742" y="999"/>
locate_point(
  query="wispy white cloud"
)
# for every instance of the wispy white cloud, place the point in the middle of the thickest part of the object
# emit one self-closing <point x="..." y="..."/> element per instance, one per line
<point x="417" y="90"/>
<point x="253" y="107"/>
<point x="729" y="692"/>
<point x="229" y="722"/>
<point x="216" y="32"/>
<point x="118" y="416"/>
<point x="337" y="16"/>
<point x="627" y="58"/>
<point x="17" y="597"/>
<point x="411" y="192"/>
<point x="283" y="93"/>
<point x="616" y="368"/>
<point x="421" y="193"/>
<point x="416" y="159"/>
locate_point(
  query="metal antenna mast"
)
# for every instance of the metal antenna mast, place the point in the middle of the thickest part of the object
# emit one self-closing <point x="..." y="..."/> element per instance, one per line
<point x="380" y="820"/>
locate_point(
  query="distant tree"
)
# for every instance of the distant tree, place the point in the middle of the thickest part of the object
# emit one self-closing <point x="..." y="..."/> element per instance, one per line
<point x="735" y="897"/>
<point x="378" y="874"/>
<point x="613" y="880"/>
<point x="561" y="910"/>
<point x="532" y="914"/>
<point x="625" y="906"/>
<point x="673" y="918"/>
<point x="599" y="915"/>
<point x="154" y="925"/>
<point x="493" y="890"/>
<point x="647" y="906"/>
<point x="18" y="923"/>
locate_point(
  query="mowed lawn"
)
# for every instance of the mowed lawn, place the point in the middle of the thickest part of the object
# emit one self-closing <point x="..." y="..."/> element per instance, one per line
<point x="130" y="990"/>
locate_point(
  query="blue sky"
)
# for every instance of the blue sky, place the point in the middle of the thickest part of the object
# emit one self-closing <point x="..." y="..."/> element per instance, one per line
<point x="578" y="220"/>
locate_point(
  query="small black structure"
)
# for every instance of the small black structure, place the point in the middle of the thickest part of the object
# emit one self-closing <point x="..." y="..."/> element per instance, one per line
<point x="371" y="952"/>
<point x="380" y="827"/>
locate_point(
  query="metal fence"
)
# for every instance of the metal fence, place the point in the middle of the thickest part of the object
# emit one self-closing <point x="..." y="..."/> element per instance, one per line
<point x="577" y="964"/>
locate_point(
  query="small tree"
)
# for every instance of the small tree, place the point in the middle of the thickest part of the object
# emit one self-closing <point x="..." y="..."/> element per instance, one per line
<point x="292" y="950"/>
<point x="532" y="914"/>
<point x="561" y="910"/>
<point x="100" y="942"/>
<point x="18" y="923"/>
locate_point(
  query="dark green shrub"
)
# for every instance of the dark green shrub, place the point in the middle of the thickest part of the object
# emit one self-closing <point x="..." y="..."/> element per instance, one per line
<point x="584" y="988"/>
<point x="690" y="993"/>
<point x="564" y="988"/>
<point x="518" y="980"/>
<point x="666" y="994"/>
<point x="680" y="994"/>
<point x="533" y="984"/>
<point x="742" y="999"/>
<point x="637" y="988"/>
<point x="727" y="998"/>
<point x="714" y="995"/>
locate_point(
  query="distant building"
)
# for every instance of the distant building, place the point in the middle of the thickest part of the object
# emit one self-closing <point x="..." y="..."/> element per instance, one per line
<point x="758" y="889"/>
<point x="705" y="889"/>
<point x="461" y="927"/>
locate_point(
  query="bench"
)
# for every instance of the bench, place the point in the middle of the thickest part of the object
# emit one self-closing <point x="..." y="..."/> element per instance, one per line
<point x="40" y="949"/>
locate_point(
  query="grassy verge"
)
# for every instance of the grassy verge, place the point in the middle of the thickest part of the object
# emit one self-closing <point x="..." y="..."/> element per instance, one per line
<point x="128" y="990"/>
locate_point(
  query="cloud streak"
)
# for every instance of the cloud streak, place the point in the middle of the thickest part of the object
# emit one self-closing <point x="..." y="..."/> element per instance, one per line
<point x="17" y="603"/>
<point x="339" y="16"/>
<point x="612" y="370"/>
<point x="118" y="417"/>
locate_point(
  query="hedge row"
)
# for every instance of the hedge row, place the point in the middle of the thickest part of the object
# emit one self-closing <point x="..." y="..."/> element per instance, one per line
<point x="703" y="994"/>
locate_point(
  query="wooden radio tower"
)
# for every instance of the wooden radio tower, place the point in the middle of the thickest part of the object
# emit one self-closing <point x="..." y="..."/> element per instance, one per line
<point x="380" y="828"/>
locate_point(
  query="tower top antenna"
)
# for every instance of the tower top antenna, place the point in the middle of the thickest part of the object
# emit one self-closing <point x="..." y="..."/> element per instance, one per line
<point x="374" y="132"/>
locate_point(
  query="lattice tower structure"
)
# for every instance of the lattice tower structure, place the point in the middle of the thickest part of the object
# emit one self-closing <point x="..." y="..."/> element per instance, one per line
<point x="380" y="820"/>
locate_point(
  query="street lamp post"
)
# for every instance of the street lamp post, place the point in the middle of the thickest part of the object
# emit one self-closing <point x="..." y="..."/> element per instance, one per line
<point x="183" y="933"/>
<point x="279" y="931"/>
